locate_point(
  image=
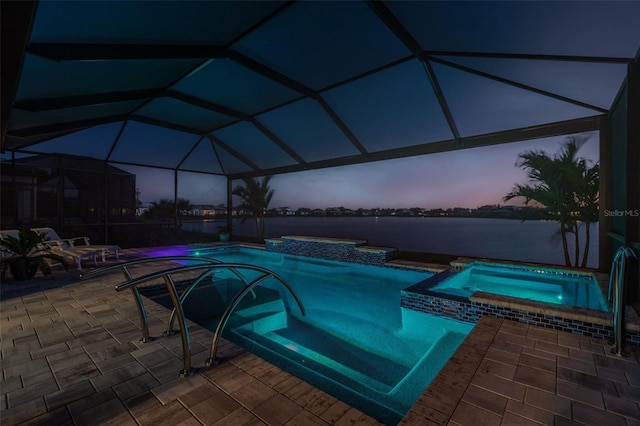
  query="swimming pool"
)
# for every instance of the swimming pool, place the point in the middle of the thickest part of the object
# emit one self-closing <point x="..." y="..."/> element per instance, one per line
<point x="544" y="285"/>
<point x="355" y="341"/>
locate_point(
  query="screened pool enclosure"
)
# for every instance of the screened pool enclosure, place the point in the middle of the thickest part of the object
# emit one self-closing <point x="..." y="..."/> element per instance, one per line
<point x="245" y="89"/>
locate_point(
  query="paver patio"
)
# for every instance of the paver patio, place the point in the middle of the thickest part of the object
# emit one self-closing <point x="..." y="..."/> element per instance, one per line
<point x="71" y="355"/>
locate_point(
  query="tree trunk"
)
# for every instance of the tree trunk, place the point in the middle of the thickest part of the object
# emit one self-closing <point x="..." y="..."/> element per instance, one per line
<point x="586" y="245"/>
<point x="576" y="238"/>
<point x="565" y="247"/>
<point x="257" y="227"/>
<point x="260" y="227"/>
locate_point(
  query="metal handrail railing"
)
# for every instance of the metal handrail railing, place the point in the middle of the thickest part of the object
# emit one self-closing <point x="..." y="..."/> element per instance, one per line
<point x="210" y="265"/>
<point x="184" y="331"/>
<point x="171" y="287"/>
<point x="124" y="268"/>
<point x="227" y="313"/>
<point x="193" y="285"/>
<point x="124" y="265"/>
<point x="616" y="295"/>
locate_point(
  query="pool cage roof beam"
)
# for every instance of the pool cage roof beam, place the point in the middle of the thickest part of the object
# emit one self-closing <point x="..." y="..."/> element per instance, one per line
<point x="533" y="132"/>
<point x="24" y="14"/>
<point x="414" y="47"/>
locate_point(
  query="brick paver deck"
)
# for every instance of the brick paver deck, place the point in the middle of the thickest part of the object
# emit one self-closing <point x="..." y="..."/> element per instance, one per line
<point x="71" y="355"/>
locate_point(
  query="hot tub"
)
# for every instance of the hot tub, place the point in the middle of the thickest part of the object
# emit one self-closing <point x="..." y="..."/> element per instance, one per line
<point x="546" y="285"/>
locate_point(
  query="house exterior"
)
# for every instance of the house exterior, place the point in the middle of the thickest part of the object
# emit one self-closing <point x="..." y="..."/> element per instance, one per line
<point x="52" y="190"/>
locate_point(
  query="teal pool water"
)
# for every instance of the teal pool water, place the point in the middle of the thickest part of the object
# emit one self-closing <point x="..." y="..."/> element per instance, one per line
<point x="545" y="285"/>
<point x="355" y="341"/>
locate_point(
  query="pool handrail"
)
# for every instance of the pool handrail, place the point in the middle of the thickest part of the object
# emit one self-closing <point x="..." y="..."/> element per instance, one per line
<point x="193" y="285"/>
<point x="124" y="268"/>
<point x="171" y="287"/>
<point x="184" y="331"/>
<point x="619" y="260"/>
<point x="238" y="297"/>
<point x="122" y="265"/>
<point x="616" y="295"/>
<point x="166" y="274"/>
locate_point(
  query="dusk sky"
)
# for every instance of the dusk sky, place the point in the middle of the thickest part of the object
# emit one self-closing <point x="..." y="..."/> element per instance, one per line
<point x="468" y="178"/>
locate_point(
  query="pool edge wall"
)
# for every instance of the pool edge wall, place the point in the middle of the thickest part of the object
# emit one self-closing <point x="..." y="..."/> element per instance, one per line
<point x="354" y="251"/>
<point x="576" y="321"/>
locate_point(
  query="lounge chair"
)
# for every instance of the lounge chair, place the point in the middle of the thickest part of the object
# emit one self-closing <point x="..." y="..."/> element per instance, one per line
<point x="80" y="243"/>
<point x="60" y="248"/>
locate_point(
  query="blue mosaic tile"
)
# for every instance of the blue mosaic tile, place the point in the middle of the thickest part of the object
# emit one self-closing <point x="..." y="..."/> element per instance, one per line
<point x="323" y="248"/>
<point x="471" y="312"/>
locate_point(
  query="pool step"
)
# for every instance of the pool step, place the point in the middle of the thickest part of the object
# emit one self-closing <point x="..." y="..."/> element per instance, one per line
<point x="300" y="360"/>
<point x="354" y="386"/>
<point x="339" y="359"/>
<point x="366" y="334"/>
<point x="263" y="318"/>
<point x="304" y="355"/>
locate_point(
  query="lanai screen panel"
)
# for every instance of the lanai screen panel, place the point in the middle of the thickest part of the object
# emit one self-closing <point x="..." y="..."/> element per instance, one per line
<point x="253" y="145"/>
<point x="203" y="190"/>
<point x="393" y="108"/>
<point x="319" y="44"/>
<point x="226" y="83"/>
<point x="134" y="22"/>
<point x="586" y="28"/>
<point x="47" y="78"/>
<point x="307" y="128"/>
<point x="203" y="159"/>
<point x="95" y="142"/>
<point x="481" y="105"/>
<point x="592" y="83"/>
<point x="21" y="119"/>
<point x="183" y="114"/>
<point x="141" y="144"/>
<point x="254" y="88"/>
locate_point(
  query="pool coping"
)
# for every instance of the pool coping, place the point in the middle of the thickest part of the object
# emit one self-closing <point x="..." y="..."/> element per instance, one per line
<point x="507" y="372"/>
<point x="439" y="401"/>
<point x="330" y="240"/>
<point x="504" y="370"/>
<point x="598" y="324"/>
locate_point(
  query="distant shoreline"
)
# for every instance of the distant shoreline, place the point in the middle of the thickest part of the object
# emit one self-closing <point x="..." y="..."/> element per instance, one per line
<point x="535" y="241"/>
<point x="190" y="219"/>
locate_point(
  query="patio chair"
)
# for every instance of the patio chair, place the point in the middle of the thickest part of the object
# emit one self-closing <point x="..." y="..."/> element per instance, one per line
<point x="80" y="243"/>
<point x="60" y="248"/>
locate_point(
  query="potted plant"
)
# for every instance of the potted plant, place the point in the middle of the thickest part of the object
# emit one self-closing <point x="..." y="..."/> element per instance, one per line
<point x="224" y="232"/>
<point x="26" y="254"/>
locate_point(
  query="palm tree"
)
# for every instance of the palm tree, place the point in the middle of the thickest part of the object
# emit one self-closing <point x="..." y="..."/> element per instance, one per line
<point x="588" y="200"/>
<point x="255" y="195"/>
<point x="567" y="187"/>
